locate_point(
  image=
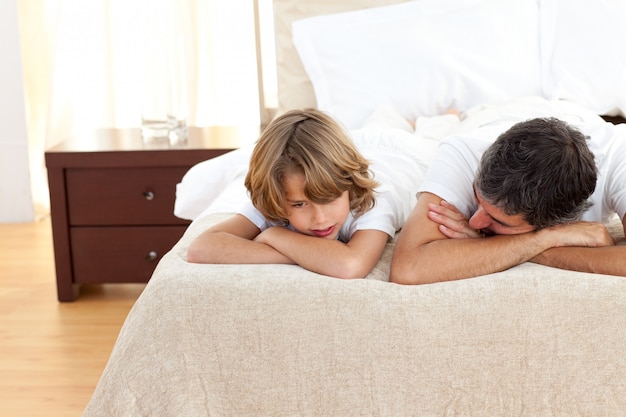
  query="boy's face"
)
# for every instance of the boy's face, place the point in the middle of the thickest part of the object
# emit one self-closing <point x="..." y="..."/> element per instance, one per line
<point x="319" y="220"/>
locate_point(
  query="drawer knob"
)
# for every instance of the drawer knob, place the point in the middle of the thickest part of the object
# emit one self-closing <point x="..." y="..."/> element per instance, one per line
<point x="151" y="256"/>
<point x="149" y="195"/>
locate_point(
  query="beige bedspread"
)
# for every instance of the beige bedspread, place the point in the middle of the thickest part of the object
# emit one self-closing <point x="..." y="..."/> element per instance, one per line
<point x="271" y="340"/>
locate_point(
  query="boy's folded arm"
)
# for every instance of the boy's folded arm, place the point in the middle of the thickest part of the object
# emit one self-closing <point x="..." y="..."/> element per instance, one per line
<point x="232" y="242"/>
<point x="354" y="259"/>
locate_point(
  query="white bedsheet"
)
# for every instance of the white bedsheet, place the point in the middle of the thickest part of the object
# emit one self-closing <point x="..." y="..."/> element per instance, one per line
<point x="399" y="153"/>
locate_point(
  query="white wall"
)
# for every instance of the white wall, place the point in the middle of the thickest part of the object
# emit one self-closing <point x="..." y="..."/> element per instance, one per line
<point x="15" y="193"/>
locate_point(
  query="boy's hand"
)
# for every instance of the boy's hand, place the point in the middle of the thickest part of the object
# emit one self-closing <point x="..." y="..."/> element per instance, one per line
<point x="268" y="234"/>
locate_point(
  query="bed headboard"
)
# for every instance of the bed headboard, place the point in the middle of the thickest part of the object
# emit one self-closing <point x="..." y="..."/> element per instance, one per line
<point x="294" y="88"/>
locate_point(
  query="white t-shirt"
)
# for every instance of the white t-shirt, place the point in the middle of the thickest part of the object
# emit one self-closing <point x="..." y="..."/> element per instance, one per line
<point x="396" y="164"/>
<point x="451" y="175"/>
<point x="380" y="217"/>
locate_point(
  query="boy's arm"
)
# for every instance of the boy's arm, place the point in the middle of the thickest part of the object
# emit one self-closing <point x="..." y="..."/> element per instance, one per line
<point x="423" y="254"/>
<point x="232" y="242"/>
<point x="354" y="259"/>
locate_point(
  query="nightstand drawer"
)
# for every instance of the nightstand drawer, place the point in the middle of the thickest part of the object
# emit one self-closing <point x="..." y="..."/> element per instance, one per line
<point x="119" y="254"/>
<point x="112" y="201"/>
<point x="123" y="196"/>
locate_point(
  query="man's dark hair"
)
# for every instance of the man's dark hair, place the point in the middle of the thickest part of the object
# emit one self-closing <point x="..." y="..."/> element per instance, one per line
<point x="540" y="168"/>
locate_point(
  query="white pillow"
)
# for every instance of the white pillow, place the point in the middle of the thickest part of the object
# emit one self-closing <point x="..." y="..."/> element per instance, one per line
<point x="385" y="116"/>
<point x="583" y="53"/>
<point x="421" y="57"/>
<point x="207" y="180"/>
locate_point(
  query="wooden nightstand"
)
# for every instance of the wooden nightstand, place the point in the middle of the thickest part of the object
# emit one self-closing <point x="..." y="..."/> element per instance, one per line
<point x="112" y="201"/>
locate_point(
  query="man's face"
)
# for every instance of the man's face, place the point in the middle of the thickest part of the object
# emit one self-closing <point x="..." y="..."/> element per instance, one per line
<point x="490" y="220"/>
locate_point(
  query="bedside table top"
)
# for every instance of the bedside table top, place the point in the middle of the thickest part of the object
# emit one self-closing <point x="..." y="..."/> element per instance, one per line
<point x="125" y="147"/>
<point x="113" y="140"/>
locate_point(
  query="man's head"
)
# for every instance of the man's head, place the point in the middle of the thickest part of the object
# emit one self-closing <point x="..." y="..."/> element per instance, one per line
<point x="540" y="171"/>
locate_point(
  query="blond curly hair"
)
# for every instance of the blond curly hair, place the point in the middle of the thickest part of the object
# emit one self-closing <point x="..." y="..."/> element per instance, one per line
<point x="313" y="144"/>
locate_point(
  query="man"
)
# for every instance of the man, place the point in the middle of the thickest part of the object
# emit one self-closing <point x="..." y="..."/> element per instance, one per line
<point x="541" y="192"/>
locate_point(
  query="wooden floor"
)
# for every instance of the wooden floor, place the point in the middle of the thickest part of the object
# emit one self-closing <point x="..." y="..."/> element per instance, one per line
<point x="51" y="354"/>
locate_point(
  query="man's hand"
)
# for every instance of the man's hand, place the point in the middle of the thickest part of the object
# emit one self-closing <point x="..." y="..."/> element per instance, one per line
<point x="452" y="223"/>
<point x="583" y="246"/>
<point x="587" y="234"/>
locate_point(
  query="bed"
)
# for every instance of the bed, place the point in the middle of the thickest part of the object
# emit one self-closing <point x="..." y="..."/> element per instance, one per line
<point x="278" y="340"/>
